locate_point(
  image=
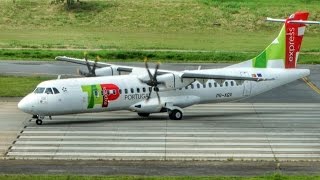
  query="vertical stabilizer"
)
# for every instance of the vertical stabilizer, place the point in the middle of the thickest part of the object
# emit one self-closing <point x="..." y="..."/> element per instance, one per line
<point x="283" y="52"/>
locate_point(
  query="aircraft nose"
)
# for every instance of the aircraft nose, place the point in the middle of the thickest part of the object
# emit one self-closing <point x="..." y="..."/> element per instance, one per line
<point x="25" y="105"/>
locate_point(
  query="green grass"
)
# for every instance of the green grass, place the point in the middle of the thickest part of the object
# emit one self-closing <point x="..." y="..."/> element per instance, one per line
<point x="138" y="55"/>
<point x="69" y="177"/>
<point x="144" y="24"/>
<point x="12" y="86"/>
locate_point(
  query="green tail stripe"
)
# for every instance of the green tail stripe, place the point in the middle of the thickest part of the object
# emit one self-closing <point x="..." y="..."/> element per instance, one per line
<point x="275" y="51"/>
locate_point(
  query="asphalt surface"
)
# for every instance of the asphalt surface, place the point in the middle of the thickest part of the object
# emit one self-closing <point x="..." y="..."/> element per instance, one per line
<point x="286" y="128"/>
<point x="238" y="139"/>
<point x="229" y="131"/>
<point x="158" y="168"/>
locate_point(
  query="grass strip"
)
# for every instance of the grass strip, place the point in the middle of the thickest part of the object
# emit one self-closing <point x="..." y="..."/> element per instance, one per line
<point x="134" y="55"/>
<point x="14" y="86"/>
<point x="72" y="177"/>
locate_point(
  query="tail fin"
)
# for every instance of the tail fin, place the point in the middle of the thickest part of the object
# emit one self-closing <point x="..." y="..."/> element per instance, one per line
<point x="283" y="52"/>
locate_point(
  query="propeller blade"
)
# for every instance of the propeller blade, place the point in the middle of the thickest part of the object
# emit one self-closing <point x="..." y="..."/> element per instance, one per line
<point x="93" y="70"/>
<point x="152" y="82"/>
<point x="155" y="72"/>
<point x="143" y="81"/>
<point x="149" y="96"/>
<point x="87" y="63"/>
<point x="158" y="97"/>
<point x="147" y="67"/>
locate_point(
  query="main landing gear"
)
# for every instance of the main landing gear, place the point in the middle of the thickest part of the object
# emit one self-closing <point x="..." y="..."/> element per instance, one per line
<point x="175" y="114"/>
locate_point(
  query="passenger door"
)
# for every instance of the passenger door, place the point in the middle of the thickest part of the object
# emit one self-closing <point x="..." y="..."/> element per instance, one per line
<point x="246" y="84"/>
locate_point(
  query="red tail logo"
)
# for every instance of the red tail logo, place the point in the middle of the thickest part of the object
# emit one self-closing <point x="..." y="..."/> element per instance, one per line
<point x="294" y="36"/>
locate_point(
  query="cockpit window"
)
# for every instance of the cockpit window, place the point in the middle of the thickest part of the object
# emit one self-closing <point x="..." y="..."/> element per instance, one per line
<point x="39" y="90"/>
<point x="48" y="91"/>
<point x="55" y="90"/>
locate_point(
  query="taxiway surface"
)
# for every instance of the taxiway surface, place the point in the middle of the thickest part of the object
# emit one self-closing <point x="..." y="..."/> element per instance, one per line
<point x="282" y="124"/>
<point x="229" y="131"/>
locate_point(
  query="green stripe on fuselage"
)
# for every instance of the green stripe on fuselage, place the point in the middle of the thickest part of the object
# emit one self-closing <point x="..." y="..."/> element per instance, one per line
<point x="94" y="95"/>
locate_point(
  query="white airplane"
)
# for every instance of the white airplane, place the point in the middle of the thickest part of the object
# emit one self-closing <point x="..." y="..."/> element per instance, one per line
<point x="147" y="91"/>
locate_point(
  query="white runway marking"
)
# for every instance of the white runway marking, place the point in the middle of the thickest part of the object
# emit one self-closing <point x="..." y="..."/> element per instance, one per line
<point x="237" y="131"/>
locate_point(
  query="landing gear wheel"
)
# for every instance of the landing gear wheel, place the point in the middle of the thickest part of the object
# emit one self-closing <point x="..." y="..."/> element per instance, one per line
<point x="175" y="114"/>
<point x="38" y="121"/>
<point x="144" y="114"/>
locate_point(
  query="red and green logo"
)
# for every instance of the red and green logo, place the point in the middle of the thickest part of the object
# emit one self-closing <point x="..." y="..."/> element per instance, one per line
<point x="101" y="94"/>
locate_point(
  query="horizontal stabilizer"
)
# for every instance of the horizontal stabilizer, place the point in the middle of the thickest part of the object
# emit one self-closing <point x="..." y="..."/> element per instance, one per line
<point x="293" y="21"/>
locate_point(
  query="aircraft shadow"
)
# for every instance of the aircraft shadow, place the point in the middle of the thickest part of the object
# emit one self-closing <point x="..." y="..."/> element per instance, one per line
<point x="157" y="117"/>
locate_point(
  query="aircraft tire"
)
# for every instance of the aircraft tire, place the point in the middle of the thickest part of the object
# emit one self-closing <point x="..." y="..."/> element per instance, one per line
<point x="175" y="114"/>
<point x="144" y="114"/>
<point x="39" y="122"/>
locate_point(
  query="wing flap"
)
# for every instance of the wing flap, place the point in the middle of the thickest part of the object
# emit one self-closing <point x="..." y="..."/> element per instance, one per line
<point x="222" y="77"/>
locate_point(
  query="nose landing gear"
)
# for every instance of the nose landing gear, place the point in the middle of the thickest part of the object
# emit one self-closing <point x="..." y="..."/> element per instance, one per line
<point x="39" y="119"/>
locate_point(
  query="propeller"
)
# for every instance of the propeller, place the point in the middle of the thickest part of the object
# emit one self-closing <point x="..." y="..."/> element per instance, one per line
<point x="152" y="82"/>
<point x="91" y="69"/>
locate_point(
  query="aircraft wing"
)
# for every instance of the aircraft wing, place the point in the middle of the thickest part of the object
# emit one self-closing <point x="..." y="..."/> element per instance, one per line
<point x="199" y="75"/>
<point x="98" y="64"/>
<point x="120" y="68"/>
<point x="80" y="61"/>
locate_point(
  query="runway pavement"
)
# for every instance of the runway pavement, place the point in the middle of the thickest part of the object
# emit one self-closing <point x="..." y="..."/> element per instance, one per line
<point x="229" y="131"/>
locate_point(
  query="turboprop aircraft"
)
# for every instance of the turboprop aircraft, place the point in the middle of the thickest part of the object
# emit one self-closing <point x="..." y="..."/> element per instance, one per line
<point x="147" y="91"/>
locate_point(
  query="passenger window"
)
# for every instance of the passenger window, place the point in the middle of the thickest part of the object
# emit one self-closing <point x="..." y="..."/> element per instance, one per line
<point x="120" y="91"/>
<point x="55" y="90"/>
<point x="150" y="89"/>
<point x="144" y="89"/>
<point x="48" y="91"/>
<point x="126" y="91"/>
<point x="39" y="90"/>
<point x="215" y="84"/>
<point x="192" y="86"/>
<point x="204" y="85"/>
<point x="113" y="91"/>
<point x="210" y="85"/>
<point x="186" y="87"/>
<point x="138" y="90"/>
<point x="132" y="90"/>
<point x="96" y="93"/>
<point x="198" y="86"/>
<point x="232" y="83"/>
<point x="226" y="83"/>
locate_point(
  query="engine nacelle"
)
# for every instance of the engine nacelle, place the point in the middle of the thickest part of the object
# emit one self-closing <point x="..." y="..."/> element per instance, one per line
<point x="151" y="106"/>
<point x="106" y="71"/>
<point x="173" y="81"/>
